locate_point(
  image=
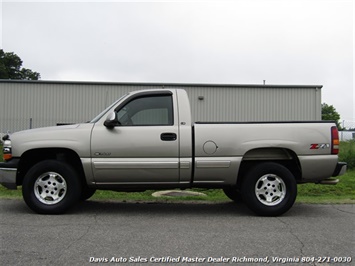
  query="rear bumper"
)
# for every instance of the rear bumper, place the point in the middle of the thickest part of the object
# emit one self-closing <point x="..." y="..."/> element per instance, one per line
<point x="8" y="171"/>
<point x="340" y="169"/>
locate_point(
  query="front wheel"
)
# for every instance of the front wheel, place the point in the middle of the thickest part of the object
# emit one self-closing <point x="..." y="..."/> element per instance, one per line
<point x="87" y="193"/>
<point x="51" y="187"/>
<point x="269" y="189"/>
<point x="233" y="193"/>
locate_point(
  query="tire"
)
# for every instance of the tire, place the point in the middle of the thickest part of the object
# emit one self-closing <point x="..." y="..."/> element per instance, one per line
<point x="269" y="189"/>
<point x="51" y="187"/>
<point x="233" y="193"/>
<point x="87" y="193"/>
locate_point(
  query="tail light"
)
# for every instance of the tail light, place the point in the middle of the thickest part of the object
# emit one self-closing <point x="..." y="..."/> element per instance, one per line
<point x="335" y="140"/>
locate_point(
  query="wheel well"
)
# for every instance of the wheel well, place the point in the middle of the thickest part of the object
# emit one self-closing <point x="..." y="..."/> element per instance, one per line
<point x="32" y="157"/>
<point x="285" y="157"/>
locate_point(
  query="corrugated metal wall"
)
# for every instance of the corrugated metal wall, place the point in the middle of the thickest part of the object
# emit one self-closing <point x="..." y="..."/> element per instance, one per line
<point x="255" y="104"/>
<point x="26" y="105"/>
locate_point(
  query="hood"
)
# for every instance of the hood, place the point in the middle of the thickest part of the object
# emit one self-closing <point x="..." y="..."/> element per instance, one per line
<point x="75" y="137"/>
<point x="43" y="133"/>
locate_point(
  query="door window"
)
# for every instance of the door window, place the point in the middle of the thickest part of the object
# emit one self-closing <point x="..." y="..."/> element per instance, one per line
<point x="147" y="111"/>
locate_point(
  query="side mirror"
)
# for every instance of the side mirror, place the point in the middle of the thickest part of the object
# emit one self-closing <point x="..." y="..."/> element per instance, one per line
<point x="111" y="120"/>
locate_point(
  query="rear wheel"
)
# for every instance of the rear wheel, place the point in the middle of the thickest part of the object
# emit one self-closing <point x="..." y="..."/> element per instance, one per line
<point x="269" y="189"/>
<point x="51" y="187"/>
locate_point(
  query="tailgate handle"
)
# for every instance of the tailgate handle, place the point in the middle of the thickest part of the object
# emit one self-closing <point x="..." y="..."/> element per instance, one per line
<point x="168" y="136"/>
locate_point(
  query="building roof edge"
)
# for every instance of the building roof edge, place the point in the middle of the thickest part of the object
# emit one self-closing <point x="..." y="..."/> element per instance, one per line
<point x="159" y="84"/>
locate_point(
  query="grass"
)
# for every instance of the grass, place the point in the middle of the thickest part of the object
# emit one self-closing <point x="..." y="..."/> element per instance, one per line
<point x="347" y="153"/>
<point x="343" y="192"/>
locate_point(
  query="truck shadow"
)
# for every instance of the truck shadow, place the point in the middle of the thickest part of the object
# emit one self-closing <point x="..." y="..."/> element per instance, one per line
<point x="163" y="208"/>
<point x="183" y="209"/>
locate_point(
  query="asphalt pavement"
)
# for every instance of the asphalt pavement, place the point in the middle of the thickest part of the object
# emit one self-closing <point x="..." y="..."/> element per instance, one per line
<point x="121" y="233"/>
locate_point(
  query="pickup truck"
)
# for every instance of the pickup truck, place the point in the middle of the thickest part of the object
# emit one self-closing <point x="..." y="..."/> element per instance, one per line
<point x="146" y="140"/>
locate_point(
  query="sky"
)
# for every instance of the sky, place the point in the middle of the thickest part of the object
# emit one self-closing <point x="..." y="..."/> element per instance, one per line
<point x="284" y="42"/>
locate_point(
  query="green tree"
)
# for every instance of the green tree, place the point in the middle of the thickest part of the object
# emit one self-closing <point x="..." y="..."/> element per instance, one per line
<point x="330" y="113"/>
<point x="11" y="68"/>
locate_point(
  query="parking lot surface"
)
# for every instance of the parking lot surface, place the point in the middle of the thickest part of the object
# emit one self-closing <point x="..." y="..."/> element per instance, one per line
<point x="121" y="233"/>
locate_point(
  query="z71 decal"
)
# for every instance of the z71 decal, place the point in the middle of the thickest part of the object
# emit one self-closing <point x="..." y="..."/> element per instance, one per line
<point x="317" y="146"/>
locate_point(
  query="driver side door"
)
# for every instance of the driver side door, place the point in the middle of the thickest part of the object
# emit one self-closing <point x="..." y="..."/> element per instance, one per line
<point x="143" y="147"/>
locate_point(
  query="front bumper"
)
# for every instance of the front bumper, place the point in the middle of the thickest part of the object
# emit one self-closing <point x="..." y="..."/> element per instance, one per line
<point x="8" y="172"/>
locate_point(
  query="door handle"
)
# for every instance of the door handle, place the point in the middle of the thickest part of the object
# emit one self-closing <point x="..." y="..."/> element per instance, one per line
<point x="168" y="136"/>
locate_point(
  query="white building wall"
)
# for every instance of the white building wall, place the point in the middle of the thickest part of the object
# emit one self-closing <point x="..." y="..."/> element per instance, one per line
<point x="255" y="104"/>
<point x="32" y="104"/>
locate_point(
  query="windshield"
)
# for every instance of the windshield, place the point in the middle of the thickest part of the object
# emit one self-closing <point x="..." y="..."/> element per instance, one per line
<point x="98" y="117"/>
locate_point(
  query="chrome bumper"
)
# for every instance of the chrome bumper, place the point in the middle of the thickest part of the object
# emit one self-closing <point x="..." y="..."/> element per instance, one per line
<point x="8" y="171"/>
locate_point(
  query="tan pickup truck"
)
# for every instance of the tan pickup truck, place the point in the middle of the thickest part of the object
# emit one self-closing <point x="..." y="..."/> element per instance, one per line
<point x="146" y="140"/>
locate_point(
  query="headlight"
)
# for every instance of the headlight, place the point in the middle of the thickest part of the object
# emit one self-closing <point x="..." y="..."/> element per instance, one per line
<point x="7" y="151"/>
